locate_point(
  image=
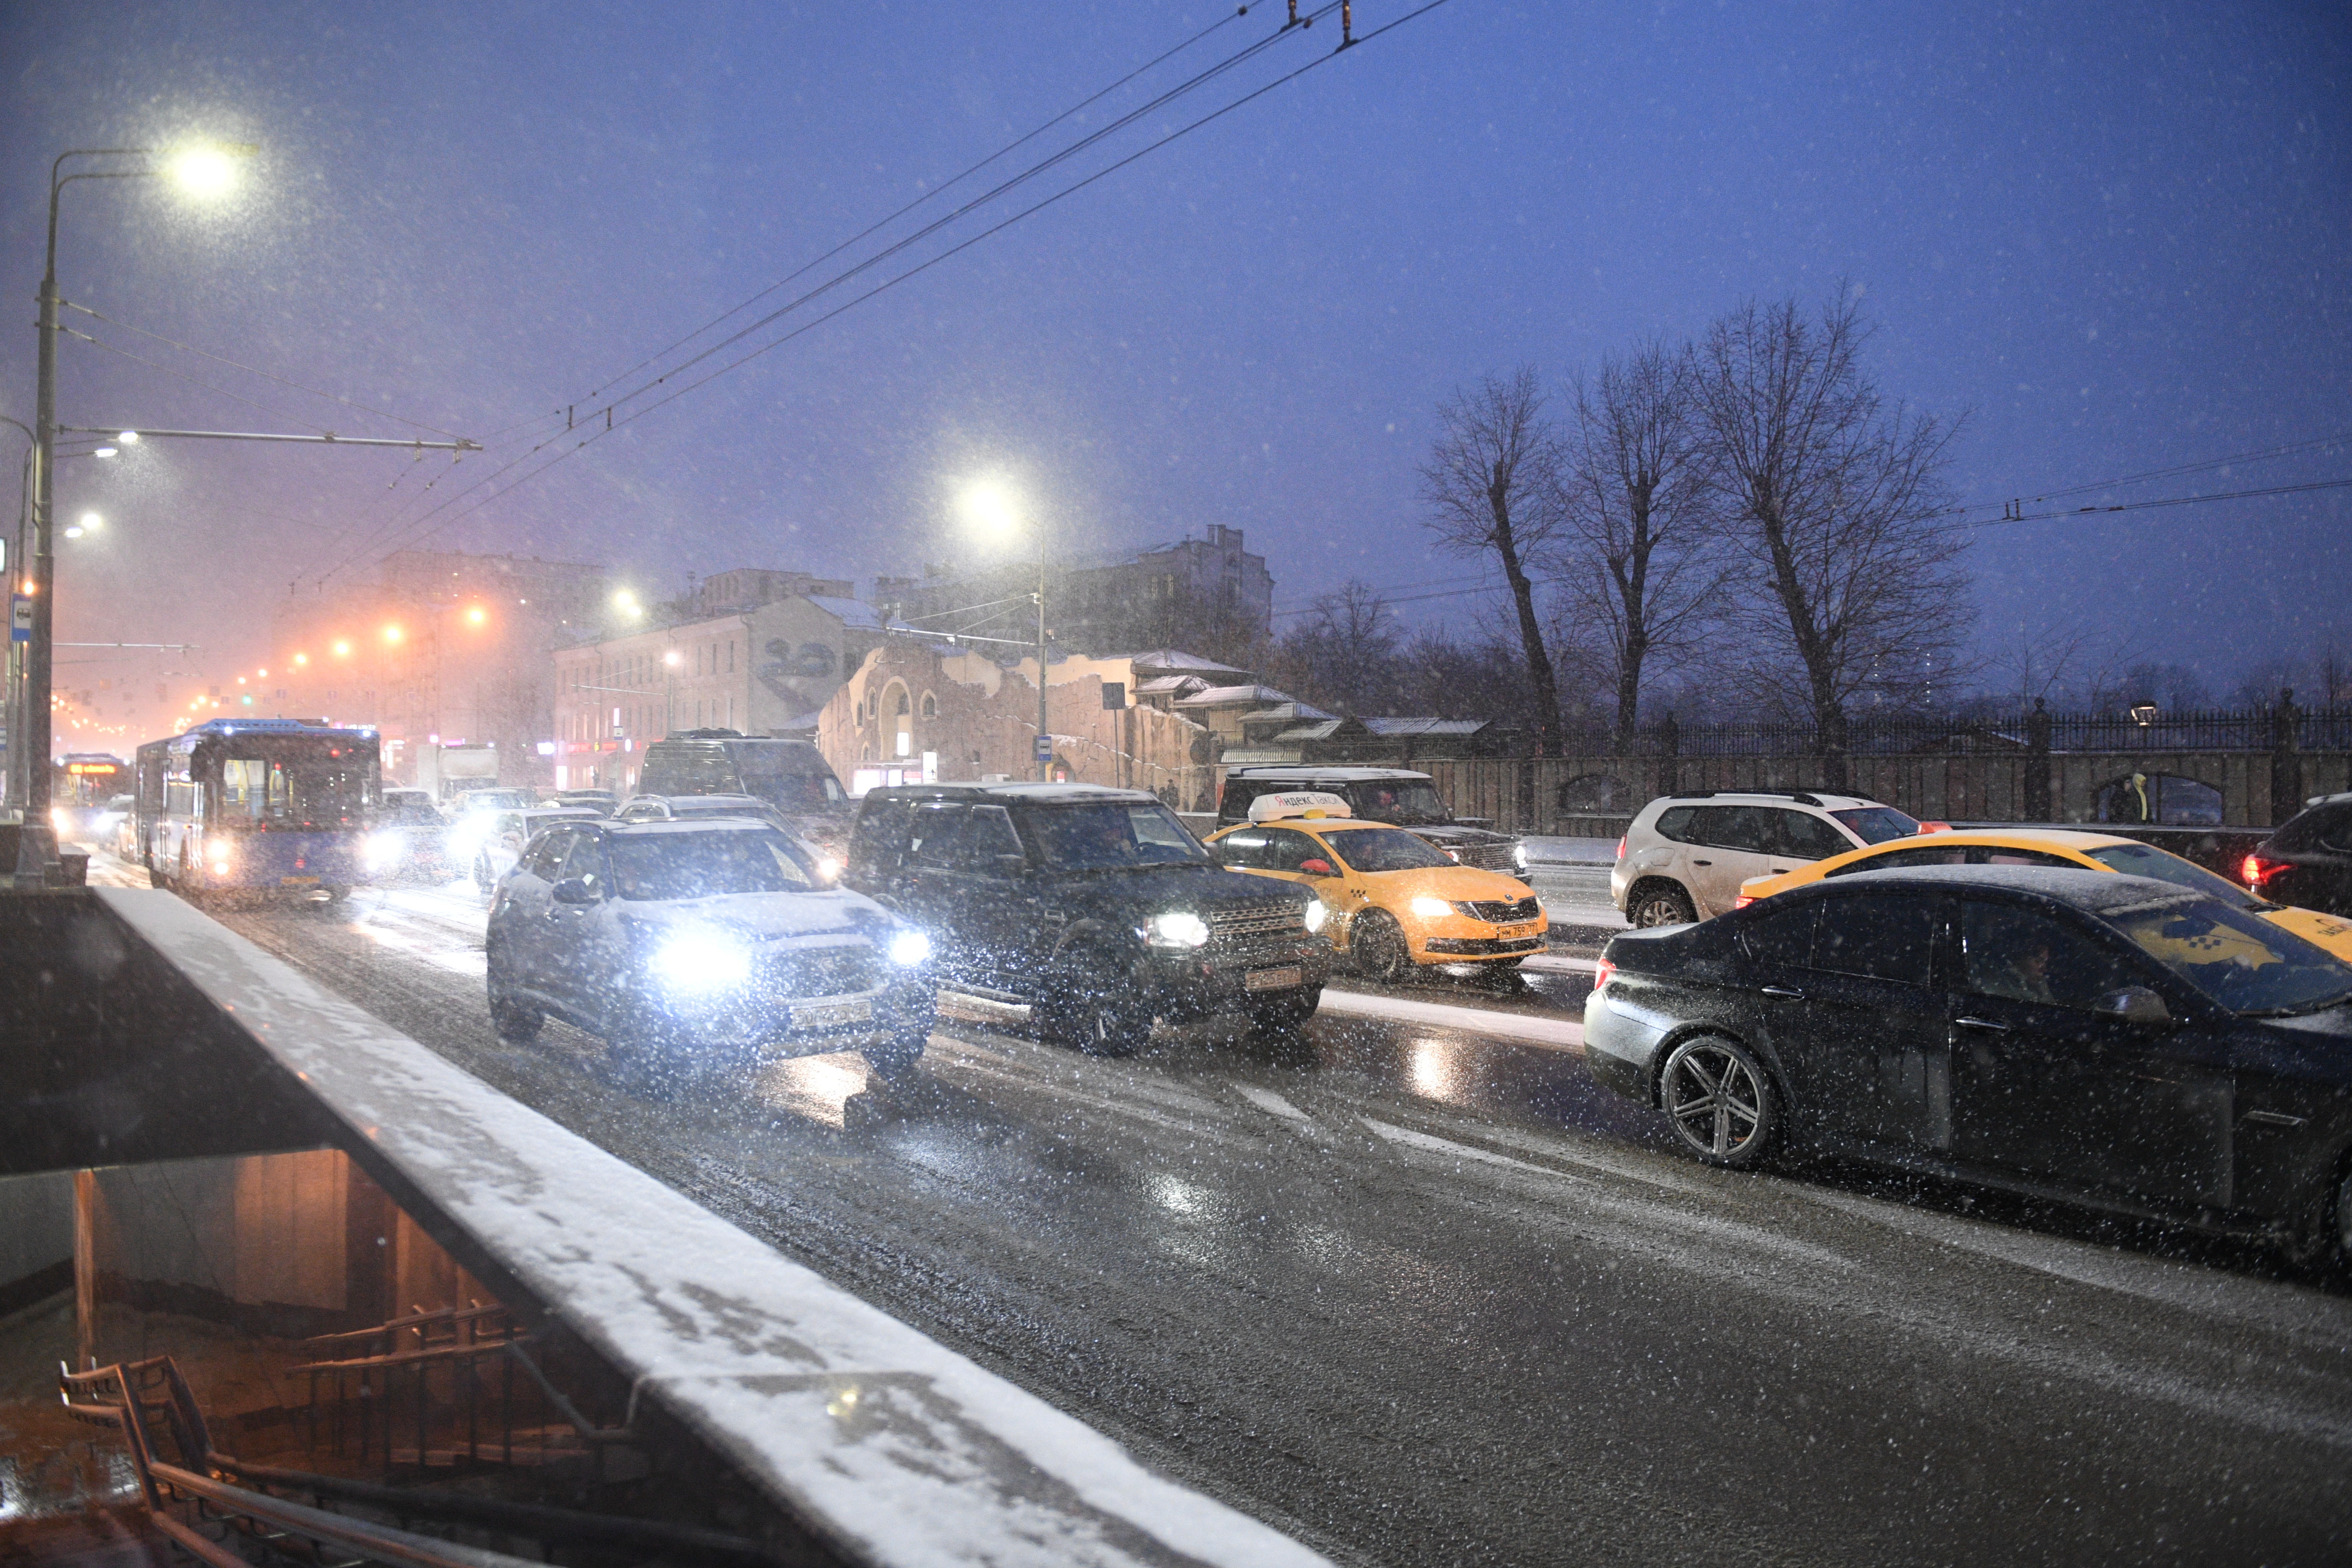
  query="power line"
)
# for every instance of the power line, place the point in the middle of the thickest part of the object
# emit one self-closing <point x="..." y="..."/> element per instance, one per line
<point x="2266" y="454"/>
<point x="492" y="476"/>
<point x="747" y="357"/>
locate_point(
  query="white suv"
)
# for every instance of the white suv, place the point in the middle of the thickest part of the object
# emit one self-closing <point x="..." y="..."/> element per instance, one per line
<point x="1685" y="855"/>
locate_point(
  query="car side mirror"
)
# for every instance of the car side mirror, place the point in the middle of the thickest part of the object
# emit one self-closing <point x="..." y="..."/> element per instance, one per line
<point x="2134" y="1005"/>
<point x="575" y="890"/>
<point x="1317" y="867"/>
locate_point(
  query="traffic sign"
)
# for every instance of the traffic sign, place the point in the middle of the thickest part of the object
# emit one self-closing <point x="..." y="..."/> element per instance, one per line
<point x="1044" y="748"/>
<point x="20" y="628"/>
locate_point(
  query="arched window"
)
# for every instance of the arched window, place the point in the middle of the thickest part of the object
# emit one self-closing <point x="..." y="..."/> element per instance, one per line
<point x="930" y="706"/>
<point x="2171" y="800"/>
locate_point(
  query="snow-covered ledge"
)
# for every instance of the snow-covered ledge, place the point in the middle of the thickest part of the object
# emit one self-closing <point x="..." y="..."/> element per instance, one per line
<point x="872" y="1434"/>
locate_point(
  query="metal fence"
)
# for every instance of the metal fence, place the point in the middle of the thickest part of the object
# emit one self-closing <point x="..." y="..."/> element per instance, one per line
<point x="2258" y="729"/>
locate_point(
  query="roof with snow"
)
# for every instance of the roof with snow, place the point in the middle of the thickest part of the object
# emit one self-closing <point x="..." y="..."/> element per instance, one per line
<point x="1226" y="696"/>
<point x="853" y="613"/>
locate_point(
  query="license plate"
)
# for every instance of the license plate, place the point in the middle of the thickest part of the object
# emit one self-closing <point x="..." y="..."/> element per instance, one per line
<point x="1274" y="979"/>
<point x="1516" y="931"/>
<point x="298" y="882"/>
<point x="831" y="1014"/>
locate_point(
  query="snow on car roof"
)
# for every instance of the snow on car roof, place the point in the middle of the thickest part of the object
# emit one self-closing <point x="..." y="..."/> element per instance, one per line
<point x="1335" y="776"/>
<point x="711" y="823"/>
<point x="2098" y="891"/>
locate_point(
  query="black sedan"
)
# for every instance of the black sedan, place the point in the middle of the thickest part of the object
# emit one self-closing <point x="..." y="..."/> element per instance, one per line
<point x="2104" y="1039"/>
<point x="2307" y="862"/>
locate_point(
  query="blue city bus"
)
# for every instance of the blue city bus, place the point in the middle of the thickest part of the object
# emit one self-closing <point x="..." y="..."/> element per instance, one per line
<point x="80" y="785"/>
<point x="258" y="804"/>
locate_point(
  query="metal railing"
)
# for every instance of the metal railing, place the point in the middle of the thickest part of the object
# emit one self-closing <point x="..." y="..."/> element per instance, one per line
<point x="2255" y="729"/>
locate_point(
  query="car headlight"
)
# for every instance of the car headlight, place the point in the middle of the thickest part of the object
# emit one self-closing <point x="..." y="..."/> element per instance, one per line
<point x="381" y="849"/>
<point x="909" y="948"/>
<point x="1316" y="915"/>
<point x="1519" y="855"/>
<point x="1179" y="928"/>
<point x="698" y="962"/>
<point x="829" y="870"/>
<point x="1431" y="908"/>
<point x="218" y="855"/>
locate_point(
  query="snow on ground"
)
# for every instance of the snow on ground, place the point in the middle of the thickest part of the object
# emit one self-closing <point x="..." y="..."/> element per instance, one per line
<point x="878" y="1434"/>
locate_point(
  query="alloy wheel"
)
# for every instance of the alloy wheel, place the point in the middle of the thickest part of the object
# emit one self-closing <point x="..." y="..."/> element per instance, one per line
<point x="1717" y="1101"/>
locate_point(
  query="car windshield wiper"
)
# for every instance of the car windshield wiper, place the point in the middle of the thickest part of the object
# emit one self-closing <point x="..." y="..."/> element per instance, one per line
<point x="2299" y="1010"/>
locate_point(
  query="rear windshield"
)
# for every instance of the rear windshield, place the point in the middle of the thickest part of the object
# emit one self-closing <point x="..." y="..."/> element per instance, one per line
<point x="2240" y="960"/>
<point x="1108" y="835"/>
<point x="1412" y="802"/>
<point x="1876" y="823"/>
<point x="2147" y="860"/>
<point x="1386" y="849"/>
<point x="701" y="865"/>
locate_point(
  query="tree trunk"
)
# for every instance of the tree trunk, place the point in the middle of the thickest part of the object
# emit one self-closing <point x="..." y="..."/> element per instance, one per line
<point x="1523" y="593"/>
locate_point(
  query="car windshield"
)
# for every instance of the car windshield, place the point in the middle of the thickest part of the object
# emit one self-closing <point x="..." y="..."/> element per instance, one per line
<point x="700" y="865"/>
<point x="2240" y="960"/>
<point x="496" y="800"/>
<point x="1386" y="849"/>
<point x="2147" y="860"/>
<point x="410" y="812"/>
<point x="1106" y="834"/>
<point x="1876" y="823"/>
<point x="1400" y="800"/>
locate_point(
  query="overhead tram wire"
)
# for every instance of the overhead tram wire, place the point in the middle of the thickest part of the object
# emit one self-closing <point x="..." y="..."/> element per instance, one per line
<point x="931" y="195"/>
<point x="594" y="435"/>
<point x="194" y="380"/>
<point x="1182" y="88"/>
<point x="1188" y="85"/>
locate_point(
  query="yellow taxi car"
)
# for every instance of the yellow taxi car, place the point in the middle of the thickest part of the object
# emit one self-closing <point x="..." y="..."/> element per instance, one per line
<point x="1393" y="900"/>
<point x="2058" y="846"/>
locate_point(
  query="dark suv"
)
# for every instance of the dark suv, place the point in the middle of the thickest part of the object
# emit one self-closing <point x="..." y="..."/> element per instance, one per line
<point x="2307" y="861"/>
<point x="1093" y="907"/>
<point x="1398" y="796"/>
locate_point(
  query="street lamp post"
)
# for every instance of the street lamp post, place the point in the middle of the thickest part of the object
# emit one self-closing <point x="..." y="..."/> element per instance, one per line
<point x="206" y="169"/>
<point x="988" y="505"/>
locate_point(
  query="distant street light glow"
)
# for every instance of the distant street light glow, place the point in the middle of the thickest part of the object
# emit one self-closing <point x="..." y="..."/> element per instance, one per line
<point x="342" y="650"/>
<point x="300" y="658"/>
<point x="391" y="634"/>
<point x="129" y="437"/>
<point x="477" y="615"/>
<point x="101" y="452"/>
<point x="990" y="506"/>
<point x="91" y="520"/>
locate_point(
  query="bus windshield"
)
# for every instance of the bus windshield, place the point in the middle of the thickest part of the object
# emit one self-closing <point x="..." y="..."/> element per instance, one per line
<point x="307" y="788"/>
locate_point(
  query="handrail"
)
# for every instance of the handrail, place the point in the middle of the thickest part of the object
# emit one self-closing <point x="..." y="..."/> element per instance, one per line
<point x="533" y="1517"/>
<point x="378" y="1543"/>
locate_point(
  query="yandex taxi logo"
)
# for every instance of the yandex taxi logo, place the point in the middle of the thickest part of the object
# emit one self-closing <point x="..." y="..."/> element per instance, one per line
<point x="1310" y="803"/>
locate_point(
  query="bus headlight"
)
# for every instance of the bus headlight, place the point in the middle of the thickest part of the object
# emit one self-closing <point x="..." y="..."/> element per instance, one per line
<point x="217" y="855"/>
<point x="1179" y="928"/>
<point x="700" y="963"/>
<point x="909" y="948"/>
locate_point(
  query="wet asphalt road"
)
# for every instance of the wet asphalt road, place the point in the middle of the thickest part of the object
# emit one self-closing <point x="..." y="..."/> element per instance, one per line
<point x="1420" y="1294"/>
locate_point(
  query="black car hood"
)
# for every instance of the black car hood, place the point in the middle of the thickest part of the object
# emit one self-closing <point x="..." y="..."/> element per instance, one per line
<point x="1166" y="888"/>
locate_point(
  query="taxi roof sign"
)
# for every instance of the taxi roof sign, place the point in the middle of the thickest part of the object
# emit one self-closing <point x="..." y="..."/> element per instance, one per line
<point x="1298" y="803"/>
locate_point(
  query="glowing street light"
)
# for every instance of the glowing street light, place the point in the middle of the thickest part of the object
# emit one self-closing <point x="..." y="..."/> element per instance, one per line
<point x="343" y="649"/>
<point x="992" y="508"/>
<point x="301" y="659"/>
<point x="82" y="525"/>
<point x="391" y="634"/>
<point x="206" y="169"/>
<point x="476" y="617"/>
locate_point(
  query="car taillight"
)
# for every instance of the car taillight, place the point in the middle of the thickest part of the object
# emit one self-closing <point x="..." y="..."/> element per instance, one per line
<point x="1743" y="901"/>
<point x="1620" y="850"/>
<point x="2259" y="869"/>
<point x="1601" y="973"/>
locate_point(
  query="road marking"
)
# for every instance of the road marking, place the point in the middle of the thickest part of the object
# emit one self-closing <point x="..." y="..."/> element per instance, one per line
<point x="1266" y="1100"/>
<point x="1554" y="1034"/>
<point x="1630" y="1167"/>
<point x="1433" y="1145"/>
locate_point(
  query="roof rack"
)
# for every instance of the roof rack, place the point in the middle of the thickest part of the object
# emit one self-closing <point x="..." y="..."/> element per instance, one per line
<point x="1800" y="797"/>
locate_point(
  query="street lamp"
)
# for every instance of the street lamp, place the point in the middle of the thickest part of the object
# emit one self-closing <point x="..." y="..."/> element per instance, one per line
<point x="201" y="169"/>
<point x="990" y="508"/>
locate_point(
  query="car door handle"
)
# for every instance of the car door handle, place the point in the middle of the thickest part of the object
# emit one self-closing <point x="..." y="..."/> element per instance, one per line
<point x="1982" y="1024"/>
<point x="1784" y="993"/>
<point x="1702" y="862"/>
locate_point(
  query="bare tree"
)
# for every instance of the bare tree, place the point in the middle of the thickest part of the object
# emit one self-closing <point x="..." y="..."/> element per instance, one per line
<point x="2040" y="662"/>
<point x="1344" y="656"/>
<point x="1492" y="481"/>
<point x="1642" y="565"/>
<point x="1833" y="496"/>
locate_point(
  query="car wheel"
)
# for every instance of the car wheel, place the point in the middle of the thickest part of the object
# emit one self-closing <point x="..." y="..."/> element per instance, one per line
<point x="1096" y="1019"/>
<point x="1660" y="904"/>
<point x="1378" y="946"/>
<point x="482" y="878"/>
<point x="1283" y="1016"/>
<point x="1720" y="1102"/>
<point x="517" y="1022"/>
